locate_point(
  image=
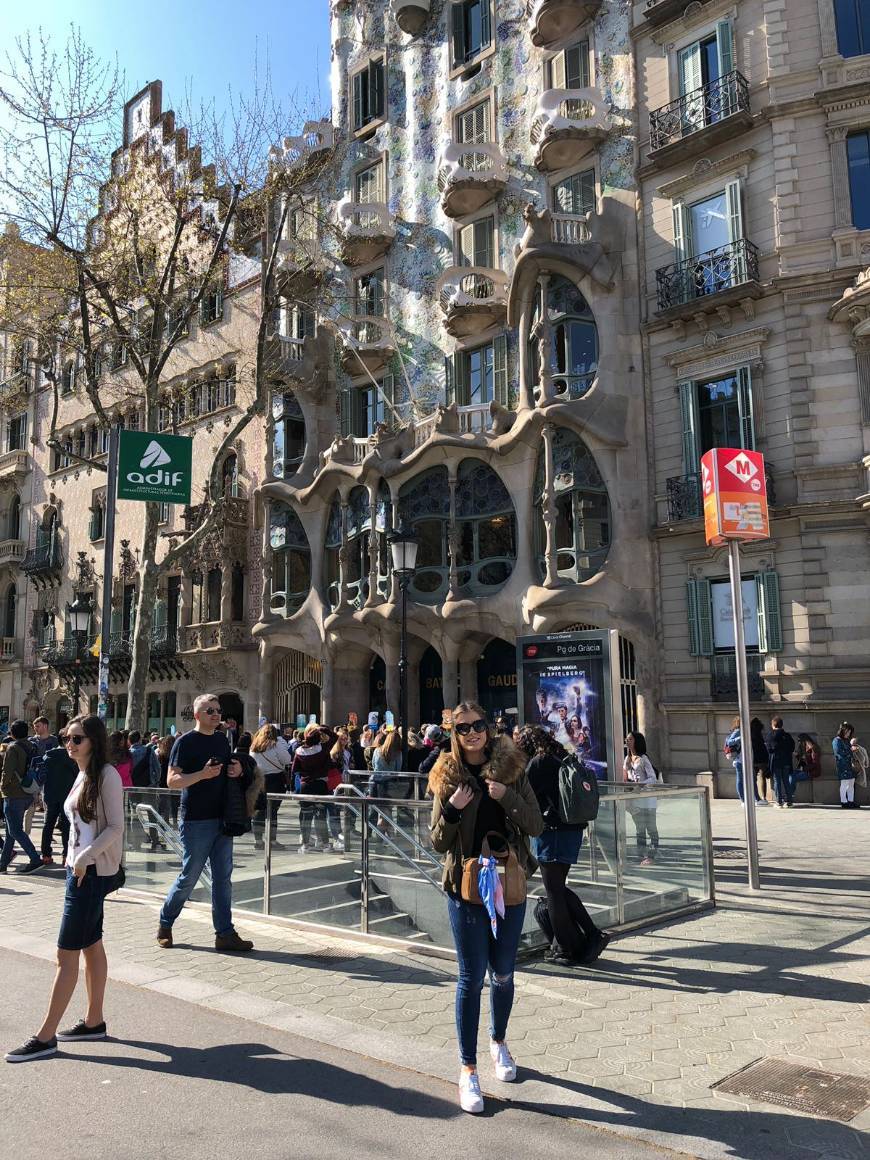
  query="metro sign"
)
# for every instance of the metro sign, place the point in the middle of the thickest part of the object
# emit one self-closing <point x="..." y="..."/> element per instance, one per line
<point x="735" y="496"/>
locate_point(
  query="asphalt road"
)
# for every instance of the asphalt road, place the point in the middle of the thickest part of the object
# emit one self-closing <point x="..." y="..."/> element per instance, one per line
<point x="178" y="1080"/>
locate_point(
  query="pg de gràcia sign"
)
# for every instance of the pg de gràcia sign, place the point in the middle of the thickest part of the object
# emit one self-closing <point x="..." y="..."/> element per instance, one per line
<point x="156" y="468"/>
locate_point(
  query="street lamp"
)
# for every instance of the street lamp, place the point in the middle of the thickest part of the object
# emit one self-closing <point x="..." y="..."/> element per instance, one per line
<point x="404" y="545"/>
<point x="79" y="614"/>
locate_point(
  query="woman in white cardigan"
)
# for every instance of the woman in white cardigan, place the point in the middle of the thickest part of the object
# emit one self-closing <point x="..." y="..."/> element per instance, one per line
<point x="95" y="808"/>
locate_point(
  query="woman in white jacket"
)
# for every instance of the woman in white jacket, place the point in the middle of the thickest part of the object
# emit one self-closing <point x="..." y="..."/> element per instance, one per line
<point x="638" y="768"/>
<point x="269" y="750"/>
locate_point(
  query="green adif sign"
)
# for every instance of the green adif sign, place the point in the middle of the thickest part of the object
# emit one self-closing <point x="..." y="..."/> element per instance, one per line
<point x="155" y="467"/>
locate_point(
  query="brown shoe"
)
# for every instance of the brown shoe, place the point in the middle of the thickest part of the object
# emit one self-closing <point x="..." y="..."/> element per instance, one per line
<point x="232" y="942"/>
<point x="164" y="937"/>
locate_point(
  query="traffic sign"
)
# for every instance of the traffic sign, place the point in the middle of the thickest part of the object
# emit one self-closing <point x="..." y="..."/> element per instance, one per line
<point x="735" y="495"/>
<point x="156" y="468"/>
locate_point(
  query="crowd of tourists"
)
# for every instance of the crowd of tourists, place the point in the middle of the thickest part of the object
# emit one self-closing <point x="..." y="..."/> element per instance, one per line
<point x="500" y="814"/>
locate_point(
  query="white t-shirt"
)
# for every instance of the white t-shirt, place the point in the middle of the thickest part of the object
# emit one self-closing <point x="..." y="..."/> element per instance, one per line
<point x="640" y="770"/>
<point x="81" y="833"/>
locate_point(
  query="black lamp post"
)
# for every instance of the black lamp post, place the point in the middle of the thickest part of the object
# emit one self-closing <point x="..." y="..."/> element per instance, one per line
<point x="404" y="545"/>
<point x="79" y="614"/>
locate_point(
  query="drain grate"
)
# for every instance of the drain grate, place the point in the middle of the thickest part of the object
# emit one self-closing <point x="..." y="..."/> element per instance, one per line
<point x="732" y="854"/>
<point x="326" y="956"/>
<point x="803" y="1089"/>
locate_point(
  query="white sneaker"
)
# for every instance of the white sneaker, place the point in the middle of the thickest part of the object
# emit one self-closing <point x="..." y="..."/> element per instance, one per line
<point x="505" y="1066"/>
<point x="338" y="845"/>
<point x="303" y="848"/>
<point x="761" y="802"/>
<point x="470" y="1099"/>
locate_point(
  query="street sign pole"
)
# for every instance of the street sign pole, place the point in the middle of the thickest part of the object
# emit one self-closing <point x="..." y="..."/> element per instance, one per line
<point x="746" y="755"/>
<point x="108" y="571"/>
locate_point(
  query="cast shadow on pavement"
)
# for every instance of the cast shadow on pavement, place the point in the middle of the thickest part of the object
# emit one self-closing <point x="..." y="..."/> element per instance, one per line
<point x="775" y="1135"/>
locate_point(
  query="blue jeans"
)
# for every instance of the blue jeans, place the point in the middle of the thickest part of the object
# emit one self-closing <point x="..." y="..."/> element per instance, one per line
<point x="14" y="810"/>
<point x="783" y="783"/>
<point x="203" y="842"/>
<point x="477" y="950"/>
<point x="738" y="772"/>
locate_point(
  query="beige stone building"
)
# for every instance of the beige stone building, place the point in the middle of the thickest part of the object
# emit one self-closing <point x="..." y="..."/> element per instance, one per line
<point x="754" y="188"/>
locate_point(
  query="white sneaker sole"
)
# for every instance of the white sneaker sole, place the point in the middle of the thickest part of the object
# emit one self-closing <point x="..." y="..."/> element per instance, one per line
<point x="33" y="1055"/>
<point x="472" y="1105"/>
<point x="86" y="1038"/>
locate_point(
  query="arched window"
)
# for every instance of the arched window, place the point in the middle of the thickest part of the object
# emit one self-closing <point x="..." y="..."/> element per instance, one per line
<point x="237" y="593"/>
<point x="13" y="518"/>
<point x="9" y="612"/>
<point x="332" y="548"/>
<point x="291" y="560"/>
<point x="68" y="377"/>
<point x="289" y="439"/>
<point x="230" y="475"/>
<point x="213" y="594"/>
<point x="359" y="528"/>
<point x="574" y="341"/>
<point x="487" y="529"/>
<point x="582" y="510"/>
<point x="424" y="508"/>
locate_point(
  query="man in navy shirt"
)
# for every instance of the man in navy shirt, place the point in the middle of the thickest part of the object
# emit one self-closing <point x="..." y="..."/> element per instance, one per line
<point x="199" y="765"/>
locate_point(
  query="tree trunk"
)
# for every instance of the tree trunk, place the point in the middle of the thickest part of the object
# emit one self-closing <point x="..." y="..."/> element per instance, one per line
<point x="137" y="690"/>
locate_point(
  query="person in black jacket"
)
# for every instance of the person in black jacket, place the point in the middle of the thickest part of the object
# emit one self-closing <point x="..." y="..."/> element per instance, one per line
<point x="760" y="760"/>
<point x="574" y="937"/>
<point x="57" y="771"/>
<point x="780" y="746"/>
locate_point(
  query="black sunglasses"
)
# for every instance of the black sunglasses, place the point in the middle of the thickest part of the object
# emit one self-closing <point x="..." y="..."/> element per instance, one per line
<point x="212" y="712"/>
<point x="74" y="739"/>
<point x="465" y="727"/>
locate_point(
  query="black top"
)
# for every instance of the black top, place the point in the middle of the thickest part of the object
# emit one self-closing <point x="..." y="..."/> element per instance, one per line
<point x="205" y="800"/>
<point x="490" y="817"/>
<point x="780" y="746"/>
<point x="543" y="774"/>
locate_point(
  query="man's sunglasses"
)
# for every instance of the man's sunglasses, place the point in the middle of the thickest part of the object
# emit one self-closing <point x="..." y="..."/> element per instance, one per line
<point x="74" y="739"/>
<point x="465" y="727"/>
<point x="212" y="712"/>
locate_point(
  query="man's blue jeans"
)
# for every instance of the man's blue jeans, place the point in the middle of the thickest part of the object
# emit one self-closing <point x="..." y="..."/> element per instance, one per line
<point x="203" y="842"/>
<point x="14" y="810"/>
<point x="476" y="949"/>
<point x="738" y="771"/>
<point x="783" y="783"/>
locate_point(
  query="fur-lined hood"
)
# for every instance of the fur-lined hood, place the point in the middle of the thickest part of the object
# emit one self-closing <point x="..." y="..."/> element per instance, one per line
<point x="506" y="764"/>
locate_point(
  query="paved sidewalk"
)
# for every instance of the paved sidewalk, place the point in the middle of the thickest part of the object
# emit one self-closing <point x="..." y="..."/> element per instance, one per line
<point x="632" y="1045"/>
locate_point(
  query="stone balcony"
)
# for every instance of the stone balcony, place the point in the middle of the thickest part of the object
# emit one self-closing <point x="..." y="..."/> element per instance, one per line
<point x="216" y="634"/>
<point x="10" y="651"/>
<point x="568" y="124"/>
<point x="410" y="15"/>
<point x="290" y="359"/>
<point x="232" y="511"/>
<point x="14" y="465"/>
<point x="296" y="152"/>
<point x="367" y="341"/>
<point x="12" y="552"/>
<point x="475" y="419"/>
<point x="469" y="176"/>
<point x="553" y="20"/>
<point x="715" y="112"/>
<point x="366" y="229"/>
<point x="299" y="265"/>
<point x="472" y="299"/>
<point x="658" y="12"/>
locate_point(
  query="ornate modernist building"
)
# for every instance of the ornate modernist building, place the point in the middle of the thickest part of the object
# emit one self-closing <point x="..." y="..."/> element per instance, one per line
<point x="480" y="354"/>
<point x="755" y="194"/>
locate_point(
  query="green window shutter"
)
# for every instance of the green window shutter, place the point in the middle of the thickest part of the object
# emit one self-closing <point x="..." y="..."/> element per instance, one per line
<point x="486" y="23"/>
<point x="357" y="87"/>
<point x="700" y="610"/>
<point x="682" y="232"/>
<point x="376" y="89"/>
<point x="462" y="381"/>
<point x="450" y="379"/>
<point x="344" y="412"/>
<point x="359" y="419"/>
<point x="725" y="47"/>
<point x="769" y="613"/>
<point x="500" y="369"/>
<point x="689" y="416"/>
<point x="458" y="19"/>
<point x="689" y="66"/>
<point x="558" y="72"/>
<point x="746" y="409"/>
<point x="484" y="242"/>
<point x="735" y="210"/>
<point x="577" y="66"/>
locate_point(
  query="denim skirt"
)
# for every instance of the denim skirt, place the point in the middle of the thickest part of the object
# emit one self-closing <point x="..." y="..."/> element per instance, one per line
<point x="82" y="923"/>
<point x="559" y="846"/>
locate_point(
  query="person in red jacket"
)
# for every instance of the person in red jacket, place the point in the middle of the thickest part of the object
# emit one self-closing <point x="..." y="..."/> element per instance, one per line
<point x="311" y="764"/>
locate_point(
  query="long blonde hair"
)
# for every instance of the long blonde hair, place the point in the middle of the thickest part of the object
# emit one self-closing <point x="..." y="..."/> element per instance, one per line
<point x="265" y="737"/>
<point x="390" y="745"/>
<point x="455" y="746"/>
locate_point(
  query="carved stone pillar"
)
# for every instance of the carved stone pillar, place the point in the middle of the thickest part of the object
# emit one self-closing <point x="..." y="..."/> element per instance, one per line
<point x="226" y="592"/>
<point x="266" y="613"/>
<point x="327" y="704"/>
<point x="468" y="679"/>
<point x="373" y="596"/>
<point x="545" y="343"/>
<point x="265" y="682"/>
<point x="527" y="398"/>
<point x="343" y="559"/>
<point x="840" y="174"/>
<point x="450" y="680"/>
<point x="549" y="511"/>
<point x="452" y="539"/>
<point x="862" y="360"/>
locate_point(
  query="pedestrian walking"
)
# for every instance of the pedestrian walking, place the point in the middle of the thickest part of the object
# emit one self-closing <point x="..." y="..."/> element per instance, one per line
<point x="846" y="768"/>
<point x="311" y="765"/>
<point x="638" y="768"/>
<point x="573" y="936"/>
<point x="95" y="811"/>
<point x="760" y="760"/>
<point x="200" y="765"/>
<point x="269" y="750"/>
<point x="780" y="747"/>
<point x="18" y="789"/>
<point x="58" y="773"/>
<point x="484" y="810"/>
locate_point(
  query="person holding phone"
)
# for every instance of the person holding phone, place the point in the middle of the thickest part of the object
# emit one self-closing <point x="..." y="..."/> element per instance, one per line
<point x="199" y="765"/>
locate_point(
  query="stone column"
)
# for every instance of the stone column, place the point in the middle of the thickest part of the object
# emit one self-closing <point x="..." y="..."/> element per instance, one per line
<point x="266" y="681"/>
<point x="327" y="704"/>
<point x="450" y="674"/>
<point x="862" y="359"/>
<point x="545" y="344"/>
<point x="452" y="538"/>
<point x="468" y="679"/>
<point x="373" y="597"/>
<point x="840" y="175"/>
<point x="226" y="592"/>
<point x="343" y="558"/>
<point x="266" y="613"/>
<point x="549" y="511"/>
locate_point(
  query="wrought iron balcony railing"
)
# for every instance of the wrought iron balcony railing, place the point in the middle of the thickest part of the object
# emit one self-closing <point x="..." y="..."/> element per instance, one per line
<point x="44" y="558"/>
<point x="694" y="111"/>
<point x="684" y="498"/>
<point x="709" y="273"/>
<point x="723" y="677"/>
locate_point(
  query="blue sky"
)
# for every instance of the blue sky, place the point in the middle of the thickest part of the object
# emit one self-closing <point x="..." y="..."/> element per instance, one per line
<point x="191" y="43"/>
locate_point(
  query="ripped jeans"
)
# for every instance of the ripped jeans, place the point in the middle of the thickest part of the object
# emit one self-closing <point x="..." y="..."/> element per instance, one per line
<point x="477" y="950"/>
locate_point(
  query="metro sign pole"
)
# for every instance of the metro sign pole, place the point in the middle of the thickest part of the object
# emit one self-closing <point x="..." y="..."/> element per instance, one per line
<point x="734" y="485"/>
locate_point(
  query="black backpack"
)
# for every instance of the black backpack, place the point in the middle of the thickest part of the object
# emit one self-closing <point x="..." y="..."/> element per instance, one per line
<point x="578" y="791"/>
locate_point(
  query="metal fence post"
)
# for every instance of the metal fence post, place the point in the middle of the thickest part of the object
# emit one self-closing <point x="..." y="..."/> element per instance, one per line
<point x="619" y="835"/>
<point x="267" y="862"/>
<point x="364" y="870"/>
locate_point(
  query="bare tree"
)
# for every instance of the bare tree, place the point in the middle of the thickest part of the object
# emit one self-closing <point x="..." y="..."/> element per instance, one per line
<point x="132" y="244"/>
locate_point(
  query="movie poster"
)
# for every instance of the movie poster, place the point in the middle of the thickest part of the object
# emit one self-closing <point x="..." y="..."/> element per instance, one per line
<point x="566" y="687"/>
